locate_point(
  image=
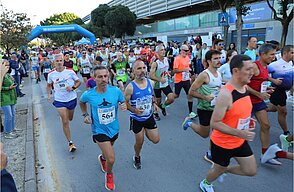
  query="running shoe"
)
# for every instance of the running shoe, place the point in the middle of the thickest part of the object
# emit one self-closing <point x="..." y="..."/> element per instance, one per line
<point x="109" y="183"/>
<point x="186" y="122"/>
<point x="137" y="162"/>
<point x="208" y="157"/>
<point x="162" y="110"/>
<point x="156" y="117"/>
<point x="270" y="154"/>
<point x="206" y="187"/>
<point x="10" y="135"/>
<point x="102" y="163"/>
<point x="72" y="147"/>
<point x="193" y="115"/>
<point x="284" y="142"/>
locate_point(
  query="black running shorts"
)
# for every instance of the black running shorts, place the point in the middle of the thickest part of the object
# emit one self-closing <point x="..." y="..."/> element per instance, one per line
<point x="104" y="138"/>
<point x="182" y="84"/>
<point x="137" y="126"/>
<point x="166" y="90"/>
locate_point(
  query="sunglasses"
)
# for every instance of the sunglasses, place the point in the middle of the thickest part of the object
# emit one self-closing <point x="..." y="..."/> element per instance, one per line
<point x="185" y="50"/>
<point x="221" y="44"/>
<point x="84" y="53"/>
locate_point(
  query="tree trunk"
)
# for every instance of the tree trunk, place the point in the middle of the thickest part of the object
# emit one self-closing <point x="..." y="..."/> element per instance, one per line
<point x="284" y="34"/>
<point x="239" y="23"/>
<point x="226" y="31"/>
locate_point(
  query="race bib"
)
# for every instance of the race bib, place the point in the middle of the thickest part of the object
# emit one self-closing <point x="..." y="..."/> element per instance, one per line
<point x="215" y="94"/>
<point x="86" y="70"/>
<point x="145" y="105"/>
<point x="104" y="63"/>
<point x="106" y="115"/>
<point x="243" y="124"/>
<point x="163" y="85"/>
<point x="121" y="72"/>
<point x="263" y="87"/>
<point x="47" y="70"/>
<point x="62" y="84"/>
<point x="185" y="76"/>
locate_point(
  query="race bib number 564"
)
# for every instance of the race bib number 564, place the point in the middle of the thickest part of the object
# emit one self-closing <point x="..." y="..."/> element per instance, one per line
<point x="106" y="115"/>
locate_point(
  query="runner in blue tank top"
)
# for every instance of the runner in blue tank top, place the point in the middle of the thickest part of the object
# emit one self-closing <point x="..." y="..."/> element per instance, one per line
<point x="138" y="96"/>
<point x="104" y="101"/>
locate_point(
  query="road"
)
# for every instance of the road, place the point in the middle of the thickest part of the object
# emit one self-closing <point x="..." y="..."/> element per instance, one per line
<point x="175" y="164"/>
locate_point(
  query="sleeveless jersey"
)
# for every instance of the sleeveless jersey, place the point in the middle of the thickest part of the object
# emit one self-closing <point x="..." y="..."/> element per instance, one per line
<point x="105" y="59"/>
<point x="120" y="69"/>
<point x="234" y="118"/>
<point x="142" y="99"/>
<point x="161" y="72"/>
<point x="211" y="88"/>
<point x="257" y="82"/>
<point x="85" y="65"/>
<point x="46" y="66"/>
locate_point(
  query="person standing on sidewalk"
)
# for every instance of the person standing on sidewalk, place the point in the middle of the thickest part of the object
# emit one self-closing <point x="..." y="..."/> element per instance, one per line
<point x="104" y="101"/>
<point x="232" y="127"/>
<point x="65" y="81"/>
<point x="8" y="100"/>
<point x="15" y="67"/>
<point x="139" y="101"/>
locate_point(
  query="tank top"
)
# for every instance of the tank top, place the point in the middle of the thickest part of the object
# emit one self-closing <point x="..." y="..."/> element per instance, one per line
<point x="85" y="65"/>
<point x="142" y="99"/>
<point x="105" y="59"/>
<point x="259" y="83"/>
<point x="132" y="60"/>
<point x="161" y="72"/>
<point x="234" y="118"/>
<point x="46" y="66"/>
<point x="211" y="88"/>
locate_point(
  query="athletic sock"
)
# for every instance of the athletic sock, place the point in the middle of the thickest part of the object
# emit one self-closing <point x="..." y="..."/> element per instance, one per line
<point x="163" y="105"/>
<point x="190" y="106"/>
<point x="281" y="154"/>
<point x="286" y="132"/>
<point x="206" y="182"/>
<point x="263" y="150"/>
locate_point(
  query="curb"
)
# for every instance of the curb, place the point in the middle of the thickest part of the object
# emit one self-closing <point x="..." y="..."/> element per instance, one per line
<point x="30" y="170"/>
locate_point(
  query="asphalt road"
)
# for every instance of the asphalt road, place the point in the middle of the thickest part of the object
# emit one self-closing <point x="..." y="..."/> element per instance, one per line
<point x="175" y="164"/>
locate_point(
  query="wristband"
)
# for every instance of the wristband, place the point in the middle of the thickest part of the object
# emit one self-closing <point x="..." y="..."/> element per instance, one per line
<point x="85" y="114"/>
<point x="73" y="88"/>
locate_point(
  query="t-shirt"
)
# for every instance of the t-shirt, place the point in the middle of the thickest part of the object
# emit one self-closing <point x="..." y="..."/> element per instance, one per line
<point x="225" y="71"/>
<point x="35" y="61"/>
<point x="68" y="63"/>
<point x="251" y="53"/>
<point x="282" y="69"/>
<point x="182" y="63"/>
<point x="104" y="107"/>
<point x="61" y="80"/>
<point x="90" y="83"/>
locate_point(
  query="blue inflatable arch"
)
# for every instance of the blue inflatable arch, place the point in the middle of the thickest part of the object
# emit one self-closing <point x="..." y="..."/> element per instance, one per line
<point x="60" y="29"/>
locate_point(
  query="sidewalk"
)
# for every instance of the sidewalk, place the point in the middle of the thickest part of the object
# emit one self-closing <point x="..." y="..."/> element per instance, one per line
<point x="20" y="151"/>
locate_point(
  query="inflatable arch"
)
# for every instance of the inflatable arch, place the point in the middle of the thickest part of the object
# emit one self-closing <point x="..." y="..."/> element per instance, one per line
<point x="60" y="29"/>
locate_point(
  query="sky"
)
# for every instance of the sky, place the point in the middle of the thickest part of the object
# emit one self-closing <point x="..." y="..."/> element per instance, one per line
<point x="42" y="9"/>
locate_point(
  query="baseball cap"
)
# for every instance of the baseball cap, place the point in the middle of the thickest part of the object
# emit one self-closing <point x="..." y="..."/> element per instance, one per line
<point x="260" y="42"/>
<point x="143" y="52"/>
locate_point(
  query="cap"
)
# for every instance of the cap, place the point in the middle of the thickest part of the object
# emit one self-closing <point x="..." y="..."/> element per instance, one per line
<point x="143" y="52"/>
<point x="260" y="42"/>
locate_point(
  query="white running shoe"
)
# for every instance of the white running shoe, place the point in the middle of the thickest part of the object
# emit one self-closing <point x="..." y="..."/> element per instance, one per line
<point x="270" y="154"/>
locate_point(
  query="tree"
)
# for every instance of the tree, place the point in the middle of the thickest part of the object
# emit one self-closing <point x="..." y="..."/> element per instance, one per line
<point x="120" y="21"/>
<point x="62" y="19"/>
<point x="241" y="10"/>
<point x="14" y="28"/>
<point x="223" y="4"/>
<point x="97" y="23"/>
<point x="285" y="19"/>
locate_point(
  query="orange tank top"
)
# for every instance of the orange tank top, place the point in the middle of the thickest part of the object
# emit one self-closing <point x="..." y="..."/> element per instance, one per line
<point x="238" y="117"/>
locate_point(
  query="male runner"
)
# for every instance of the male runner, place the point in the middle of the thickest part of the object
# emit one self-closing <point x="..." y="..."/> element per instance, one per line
<point x="104" y="101"/>
<point x="138" y="97"/>
<point x="65" y="81"/>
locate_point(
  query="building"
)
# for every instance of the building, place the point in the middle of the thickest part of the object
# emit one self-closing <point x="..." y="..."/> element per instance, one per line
<point x="179" y="19"/>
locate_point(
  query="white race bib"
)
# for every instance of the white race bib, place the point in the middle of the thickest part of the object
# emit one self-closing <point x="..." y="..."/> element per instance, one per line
<point x="47" y="70"/>
<point x="62" y="85"/>
<point x="163" y="85"/>
<point x="243" y="124"/>
<point x="263" y="87"/>
<point x="86" y="70"/>
<point x="185" y="76"/>
<point x="121" y="72"/>
<point x="145" y="105"/>
<point x="106" y="115"/>
<point x="215" y="94"/>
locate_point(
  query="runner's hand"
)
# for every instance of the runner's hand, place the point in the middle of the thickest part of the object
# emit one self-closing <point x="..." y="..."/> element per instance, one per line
<point x="87" y="120"/>
<point x="122" y="106"/>
<point x="49" y="98"/>
<point x="278" y="81"/>
<point x="162" y="80"/>
<point x="209" y="97"/>
<point x="247" y="134"/>
<point x="264" y="96"/>
<point x="69" y="88"/>
<point x="270" y="90"/>
<point x="139" y="111"/>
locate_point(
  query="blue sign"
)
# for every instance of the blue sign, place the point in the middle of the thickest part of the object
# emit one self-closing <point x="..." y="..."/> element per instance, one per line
<point x="257" y="12"/>
<point x="223" y="19"/>
<point x="248" y="26"/>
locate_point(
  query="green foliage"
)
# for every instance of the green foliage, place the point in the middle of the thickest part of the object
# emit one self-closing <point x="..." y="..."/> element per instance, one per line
<point x="109" y="21"/>
<point x="62" y="19"/>
<point x="14" y="28"/>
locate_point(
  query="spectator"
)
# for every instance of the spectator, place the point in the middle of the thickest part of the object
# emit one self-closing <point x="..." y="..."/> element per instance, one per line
<point x="251" y="46"/>
<point x="219" y="45"/>
<point x="225" y="68"/>
<point x="15" y="66"/>
<point x="203" y="52"/>
<point x="7" y="102"/>
<point x="232" y="46"/>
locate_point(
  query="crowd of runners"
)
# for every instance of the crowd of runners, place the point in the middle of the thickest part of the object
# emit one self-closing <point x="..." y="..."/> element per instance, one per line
<point x="234" y="91"/>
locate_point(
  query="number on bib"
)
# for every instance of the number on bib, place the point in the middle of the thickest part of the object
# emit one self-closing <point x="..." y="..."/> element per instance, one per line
<point x="185" y="76"/>
<point x="121" y="72"/>
<point x="86" y="70"/>
<point x="106" y="115"/>
<point x="47" y="70"/>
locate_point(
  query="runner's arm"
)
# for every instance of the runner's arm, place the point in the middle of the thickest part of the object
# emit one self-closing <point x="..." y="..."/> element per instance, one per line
<point x="199" y="81"/>
<point x="128" y="94"/>
<point x="152" y="72"/>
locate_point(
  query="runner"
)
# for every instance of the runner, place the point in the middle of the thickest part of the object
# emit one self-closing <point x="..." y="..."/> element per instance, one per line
<point x="259" y="91"/>
<point x="182" y="77"/>
<point x="104" y="101"/>
<point x="138" y="97"/>
<point x="283" y="69"/>
<point x="159" y="73"/>
<point x="65" y="98"/>
<point x="205" y="88"/>
<point x="85" y="66"/>
<point x="120" y="69"/>
<point x="34" y="59"/>
<point x="46" y="66"/>
<point x="232" y="127"/>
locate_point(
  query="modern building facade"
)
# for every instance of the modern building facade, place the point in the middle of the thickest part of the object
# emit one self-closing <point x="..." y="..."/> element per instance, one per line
<point x="178" y="19"/>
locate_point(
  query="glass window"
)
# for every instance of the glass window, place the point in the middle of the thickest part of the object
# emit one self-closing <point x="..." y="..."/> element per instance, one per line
<point x="208" y="19"/>
<point x="183" y="23"/>
<point x="168" y="25"/>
